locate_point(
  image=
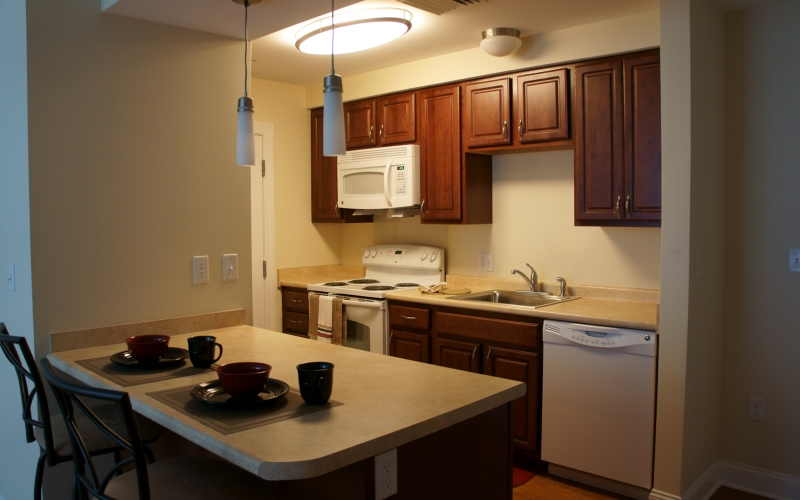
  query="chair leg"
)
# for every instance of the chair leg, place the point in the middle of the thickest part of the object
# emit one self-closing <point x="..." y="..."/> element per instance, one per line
<point x="117" y="458"/>
<point x="37" y="482"/>
<point x="148" y="454"/>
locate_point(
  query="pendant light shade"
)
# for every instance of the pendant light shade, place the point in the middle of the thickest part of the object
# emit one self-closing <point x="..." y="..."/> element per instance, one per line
<point x="333" y="117"/>
<point x="245" y="139"/>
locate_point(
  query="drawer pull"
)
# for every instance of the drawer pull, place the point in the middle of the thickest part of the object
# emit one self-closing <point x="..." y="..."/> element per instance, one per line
<point x="295" y="321"/>
<point x="296" y="301"/>
<point x="412" y="318"/>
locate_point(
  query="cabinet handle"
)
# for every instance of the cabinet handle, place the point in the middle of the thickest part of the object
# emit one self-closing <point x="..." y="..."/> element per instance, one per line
<point x="519" y="129"/>
<point x="616" y="208"/>
<point x="422" y="209"/>
<point x="488" y="357"/>
<point x="505" y="129"/>
<point x="380" y="133"/>
<point x="371" y="128"/>
<point x="296" y="301"/>
<point x="295" y="321"/>
<point x="628" y="207"/>
<point x="391" y="334"/>
<point x="336" y="209"/>
<point x="474" y="353"/>
<point x="412" y="318"/>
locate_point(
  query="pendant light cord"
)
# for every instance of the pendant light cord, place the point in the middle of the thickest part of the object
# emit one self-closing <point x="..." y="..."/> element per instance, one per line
<point x="333" y="71"/>
<point x="246" y="5"/>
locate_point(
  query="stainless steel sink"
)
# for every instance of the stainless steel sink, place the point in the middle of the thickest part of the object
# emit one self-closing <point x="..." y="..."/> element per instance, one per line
<point x="530" y="300"/>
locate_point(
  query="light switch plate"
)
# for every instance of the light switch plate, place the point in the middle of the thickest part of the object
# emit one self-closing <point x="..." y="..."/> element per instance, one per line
<point x="794" y="260"/>
<point x="12" y="278"/>
<point x="230" y="267"/>
<point x="485" y="262"/>
<point x="200" y="269"/>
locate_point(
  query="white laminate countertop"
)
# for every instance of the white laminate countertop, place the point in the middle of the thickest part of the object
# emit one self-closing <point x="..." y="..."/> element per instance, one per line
<point x="387" y="402"/>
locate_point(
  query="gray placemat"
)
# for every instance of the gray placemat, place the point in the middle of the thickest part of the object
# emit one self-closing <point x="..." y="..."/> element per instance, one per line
<point x="127" y="377"/>
<point x="227" y="420"/>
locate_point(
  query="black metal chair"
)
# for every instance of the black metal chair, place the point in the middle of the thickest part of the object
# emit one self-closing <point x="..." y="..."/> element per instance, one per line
<point x="171" y="479"/>
<point x="52" y="435"/>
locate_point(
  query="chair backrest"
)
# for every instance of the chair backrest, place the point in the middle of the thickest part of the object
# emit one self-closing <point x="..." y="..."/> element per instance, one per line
<point x="69" y="397"/>
<point x="27" y="370"/>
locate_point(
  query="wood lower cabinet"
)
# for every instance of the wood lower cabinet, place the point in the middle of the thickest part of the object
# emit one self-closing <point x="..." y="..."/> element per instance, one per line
<point x="359" y="124"/>
<point x="524" y="367"/>
<point x="541" y="110"/>
<point x="618" y="141"/>
<point x="458" y="354"/>
<point x="294" y="311"/>
<point x="396" y="119"/>
<point x="410" y="345"/>
<point x="487" y="113"/>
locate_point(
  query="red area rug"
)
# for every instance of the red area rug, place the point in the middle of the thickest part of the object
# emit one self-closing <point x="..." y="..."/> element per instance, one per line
<point x="523" y="473"/>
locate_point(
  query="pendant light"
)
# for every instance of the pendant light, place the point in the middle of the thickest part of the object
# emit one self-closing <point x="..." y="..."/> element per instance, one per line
<point x="245" y="141"/>
<point x="333" y="111"/>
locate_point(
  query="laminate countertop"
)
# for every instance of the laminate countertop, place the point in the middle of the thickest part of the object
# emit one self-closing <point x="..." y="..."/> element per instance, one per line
<point x="386" y="402"/>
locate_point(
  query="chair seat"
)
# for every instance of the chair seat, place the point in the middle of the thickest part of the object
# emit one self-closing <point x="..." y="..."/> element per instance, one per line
<point x="96" y="440"/>
<point x="191" y="478"/>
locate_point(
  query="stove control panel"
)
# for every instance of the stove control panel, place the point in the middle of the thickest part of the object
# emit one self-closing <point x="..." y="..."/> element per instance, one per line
<point x="404" y="255"/>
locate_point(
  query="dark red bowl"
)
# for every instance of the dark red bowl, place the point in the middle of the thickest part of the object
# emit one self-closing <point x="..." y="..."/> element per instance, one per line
<point x="243" y="379"/>
<point x="147" y="347"/>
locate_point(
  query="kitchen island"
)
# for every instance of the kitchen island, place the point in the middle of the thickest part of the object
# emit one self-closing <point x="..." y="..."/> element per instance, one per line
<point x="452" y="429"/>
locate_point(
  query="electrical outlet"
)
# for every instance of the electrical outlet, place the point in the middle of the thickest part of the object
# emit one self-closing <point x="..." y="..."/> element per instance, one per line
<point x="386" y="474"/>
<point x="230" y="267"/>
<point x="12" y="278"/>
<point x="697" y="264"/>
<point x="756" y="410"/>
<point x="200" y="269"/>
<point x="485" y="262"/>
<point x="794" y="260"/>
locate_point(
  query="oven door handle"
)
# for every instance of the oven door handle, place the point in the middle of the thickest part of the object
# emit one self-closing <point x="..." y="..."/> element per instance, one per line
<point x="365" y="303"/>
<point x="386" y="182"/>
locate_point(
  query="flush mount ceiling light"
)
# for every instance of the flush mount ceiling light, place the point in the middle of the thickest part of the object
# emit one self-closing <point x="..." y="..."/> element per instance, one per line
<point x="500" y="42"/>
<point x="355" y="31"/>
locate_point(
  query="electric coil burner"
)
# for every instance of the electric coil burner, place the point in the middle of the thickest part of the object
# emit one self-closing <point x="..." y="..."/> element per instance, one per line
<point x="406" y="285"/>
<point x="380" y="287"/>
<point x="362" y="281"/>
<point x="335" y="283"/>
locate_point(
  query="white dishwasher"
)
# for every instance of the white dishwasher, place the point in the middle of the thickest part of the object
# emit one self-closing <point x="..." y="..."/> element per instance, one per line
<point x="598" y="400"/>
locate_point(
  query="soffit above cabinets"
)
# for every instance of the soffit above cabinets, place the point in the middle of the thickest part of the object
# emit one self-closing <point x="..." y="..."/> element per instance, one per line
<point x="223" y="17"/>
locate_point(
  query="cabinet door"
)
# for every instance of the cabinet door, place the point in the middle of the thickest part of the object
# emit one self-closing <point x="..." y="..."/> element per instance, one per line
<point x="643" y="138"/>
<point x="397" y="121"/>
<point x="541" y="111"/>
<point x="523" y="367"/>
<point x="457" y="354"/>
<point x="359" y="124"/>
<point x="440" y="153"/>
<point x="599" y="128"/>
<point x="324" y="184"/>
<point x="408" y="345"/>
<point x="487" y="113"/>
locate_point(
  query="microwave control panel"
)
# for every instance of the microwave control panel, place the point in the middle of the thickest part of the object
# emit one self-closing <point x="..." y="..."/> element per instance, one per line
<point x="399" y="179"/>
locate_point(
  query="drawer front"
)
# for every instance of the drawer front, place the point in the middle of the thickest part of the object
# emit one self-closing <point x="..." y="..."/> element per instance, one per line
<point x="410" y="317"/>
<point x="490" y="330"/>
<point x="295" y="323"/>
<point x="295" y="301"/>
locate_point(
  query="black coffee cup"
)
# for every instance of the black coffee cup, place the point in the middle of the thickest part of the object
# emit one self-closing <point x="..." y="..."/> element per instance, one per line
<point x="201" y="351"/>
<point x="316" y="382"/>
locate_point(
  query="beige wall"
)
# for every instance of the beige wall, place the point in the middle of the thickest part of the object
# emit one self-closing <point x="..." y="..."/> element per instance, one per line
<point x="762" y="345"/>
<point x="705" y="336"/>
<point x="624" y="34"/>
<point x="18" y="458"/>
<point x="132" y="169"/>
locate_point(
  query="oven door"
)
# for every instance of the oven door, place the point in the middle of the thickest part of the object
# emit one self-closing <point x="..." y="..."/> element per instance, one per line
<point x="366" y="324"/>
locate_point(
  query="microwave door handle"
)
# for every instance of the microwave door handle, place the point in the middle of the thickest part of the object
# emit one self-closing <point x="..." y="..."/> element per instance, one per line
<point x="386" y="182"/>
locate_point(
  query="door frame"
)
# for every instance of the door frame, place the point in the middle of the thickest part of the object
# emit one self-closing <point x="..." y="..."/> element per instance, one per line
<point x="262" y="229"/>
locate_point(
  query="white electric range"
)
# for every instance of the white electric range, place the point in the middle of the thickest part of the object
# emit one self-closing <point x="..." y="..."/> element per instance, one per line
<point x="388" y="268"/>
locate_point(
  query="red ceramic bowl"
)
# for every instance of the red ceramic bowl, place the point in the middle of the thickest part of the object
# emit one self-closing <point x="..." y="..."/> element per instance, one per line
<point x="147" y="347"/>
<point x="243" y="379"/>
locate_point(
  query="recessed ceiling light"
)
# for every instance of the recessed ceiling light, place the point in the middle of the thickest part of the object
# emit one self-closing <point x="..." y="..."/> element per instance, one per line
<point x="354" y="31"/>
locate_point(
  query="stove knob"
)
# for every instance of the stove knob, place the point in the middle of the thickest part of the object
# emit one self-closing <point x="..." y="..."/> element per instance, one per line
<point x="366" y="253"/>
<point x="374" y="253"/>
<point x="434" y="255"/>
<point x="424" y="255"/>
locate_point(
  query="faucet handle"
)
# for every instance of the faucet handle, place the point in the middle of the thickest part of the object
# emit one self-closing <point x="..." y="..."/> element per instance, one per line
<point x="533" y="271"/>
<point x="563" y="286"/>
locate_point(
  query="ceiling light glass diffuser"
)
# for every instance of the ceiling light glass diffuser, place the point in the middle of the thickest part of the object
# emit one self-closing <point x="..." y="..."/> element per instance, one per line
<point x="355" y="31"/>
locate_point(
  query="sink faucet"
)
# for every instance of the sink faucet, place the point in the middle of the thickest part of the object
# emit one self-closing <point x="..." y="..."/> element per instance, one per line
<point x="563" y="283"/>
<point x="533" y="281"/>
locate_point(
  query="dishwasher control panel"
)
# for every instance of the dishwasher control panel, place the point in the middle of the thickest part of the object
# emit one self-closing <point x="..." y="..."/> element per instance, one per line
<point x="598" y="336"/>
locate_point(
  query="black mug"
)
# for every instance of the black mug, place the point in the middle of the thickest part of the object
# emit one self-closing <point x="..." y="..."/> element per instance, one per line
<point x="201" y="351"/>
<point x="316" y="382"/>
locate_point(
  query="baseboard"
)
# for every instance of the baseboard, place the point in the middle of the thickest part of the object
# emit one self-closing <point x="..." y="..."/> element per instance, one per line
<point x="741" y="477"/>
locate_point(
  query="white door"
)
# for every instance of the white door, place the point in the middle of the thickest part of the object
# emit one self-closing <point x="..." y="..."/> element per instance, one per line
<point x="262" y="216"/>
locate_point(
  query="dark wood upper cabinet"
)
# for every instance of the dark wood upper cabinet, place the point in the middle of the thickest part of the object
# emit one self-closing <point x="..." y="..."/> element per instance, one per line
<point x="618" y="141"/>
<point x="487" y="113"/>
<point x="599" y="131"/>
<point x="541" y="111"/>
<point x="457" y="354"/>
<point x="524" y="367"/>
<point x="397" y="123"/>
<point x="359" y="124"/>
<point x="324" y="184"/>
<point x="643" y="138"/>
<point x="410" y="345"/>
<point x="439" y="113"/>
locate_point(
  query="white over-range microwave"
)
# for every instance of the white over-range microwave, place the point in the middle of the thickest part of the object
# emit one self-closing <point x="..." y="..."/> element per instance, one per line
<point x="379" y="178"/>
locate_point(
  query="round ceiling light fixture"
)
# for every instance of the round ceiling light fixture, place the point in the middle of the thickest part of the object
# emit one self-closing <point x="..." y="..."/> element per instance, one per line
<point x="355" y="31"/>
<point x="500" y="42"/>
